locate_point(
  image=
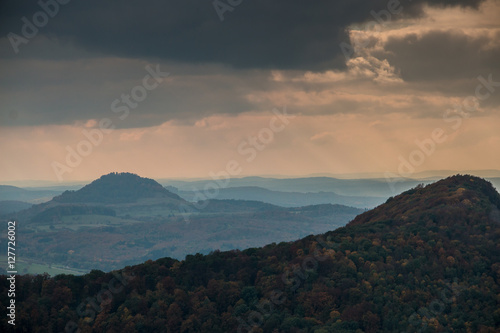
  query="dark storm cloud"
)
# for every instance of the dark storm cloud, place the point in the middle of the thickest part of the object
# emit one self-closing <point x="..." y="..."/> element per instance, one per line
<point x="443" y="55"/>
<point x="280" y="34"/>
<point x="450" y="62"/>
<point x="65" y="92"/>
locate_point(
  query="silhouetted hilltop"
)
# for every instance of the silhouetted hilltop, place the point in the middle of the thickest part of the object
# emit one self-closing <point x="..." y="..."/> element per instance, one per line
<point x="117" y="188"/>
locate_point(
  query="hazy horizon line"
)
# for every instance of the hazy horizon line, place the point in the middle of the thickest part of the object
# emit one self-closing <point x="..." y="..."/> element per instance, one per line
<point x="421" y="175"/>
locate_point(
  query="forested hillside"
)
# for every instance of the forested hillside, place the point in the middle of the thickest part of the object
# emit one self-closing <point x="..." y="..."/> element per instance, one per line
<point x="428" y="260"/>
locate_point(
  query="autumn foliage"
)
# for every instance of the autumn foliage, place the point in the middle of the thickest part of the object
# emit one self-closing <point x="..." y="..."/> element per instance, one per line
<point x="427" y="260"/>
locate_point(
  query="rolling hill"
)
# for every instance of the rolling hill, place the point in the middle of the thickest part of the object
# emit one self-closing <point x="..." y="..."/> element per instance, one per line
<point x="126" y="194"/>
<point x="123" y="219"/>
<point x="428" y="260"/>
<point x="117" y="188"/>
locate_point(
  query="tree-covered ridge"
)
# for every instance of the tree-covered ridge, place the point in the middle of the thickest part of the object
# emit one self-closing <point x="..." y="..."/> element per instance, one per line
<point x="116" y="188"/>
<point x="426" y="261"/>
<point x="448" y="195"/>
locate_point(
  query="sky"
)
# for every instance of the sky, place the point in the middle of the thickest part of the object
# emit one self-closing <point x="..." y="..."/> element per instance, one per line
<point x="180" y="89"/>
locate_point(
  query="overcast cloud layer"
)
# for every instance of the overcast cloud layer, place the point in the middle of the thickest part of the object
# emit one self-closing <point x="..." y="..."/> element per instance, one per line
<point x="279" y="34"/>
<point x="353" y="114"/>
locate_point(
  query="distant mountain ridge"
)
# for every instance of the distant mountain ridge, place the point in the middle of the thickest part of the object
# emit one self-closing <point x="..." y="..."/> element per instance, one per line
<point x="286" y="199"/>
<point x="344" y="187"/>
<point x="115" y="188"/>
<point x="11" y="206"/>
<point x="12" y="193"/>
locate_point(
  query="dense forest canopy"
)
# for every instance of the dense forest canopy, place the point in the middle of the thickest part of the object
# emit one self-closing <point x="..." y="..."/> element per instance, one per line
<point x="428" y="260"/>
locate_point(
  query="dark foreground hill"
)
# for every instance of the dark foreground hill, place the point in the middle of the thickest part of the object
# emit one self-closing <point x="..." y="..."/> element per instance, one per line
<point x="428" y="260"/>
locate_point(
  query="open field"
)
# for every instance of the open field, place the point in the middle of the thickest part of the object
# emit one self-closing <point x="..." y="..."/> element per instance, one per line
<point x="27" y="266"/>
